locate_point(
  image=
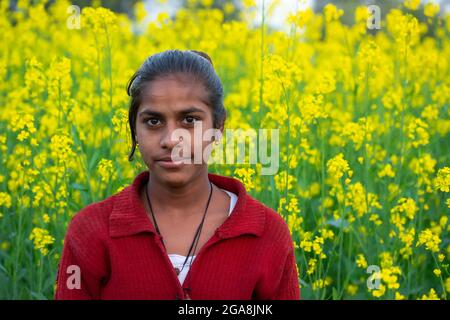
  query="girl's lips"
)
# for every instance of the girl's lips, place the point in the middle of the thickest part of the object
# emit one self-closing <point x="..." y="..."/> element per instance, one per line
<point x="169" y="164"/>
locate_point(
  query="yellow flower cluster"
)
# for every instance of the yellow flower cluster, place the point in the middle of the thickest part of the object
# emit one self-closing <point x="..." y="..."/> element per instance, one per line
<point x="322" y="283"/>
<point x="106" y="170"/>
<point x="432" y="295"/>
<point x="356" y="199"/>
<point x="331" y="12"/>
<point x="245" y="175"/>
<point x="430" y="240"/>
<point x="407" y="238"/>
<point x="120" y="121"/>
<point x="41" y="240"/>
<point x="417" y="132"/>
<point x="431" y="9"/>
<point x="388" y="275"/>
<point x="284" y="180"/>
<point x="61" y="152"/>
<point x="386" y="171"/>
<point x="313" y="245"/>
<point x="411" y="4"/>
<point x="442" y="181"/>
<point x="361" y="261"/>
<point x="337" y="166"/>
<point x="99" y="19"/>
<point x="24" y="125"/>
<point x="5" y="200"/>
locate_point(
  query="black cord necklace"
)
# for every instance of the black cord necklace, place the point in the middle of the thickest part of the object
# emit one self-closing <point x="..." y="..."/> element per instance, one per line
<point x="197" y="234"/>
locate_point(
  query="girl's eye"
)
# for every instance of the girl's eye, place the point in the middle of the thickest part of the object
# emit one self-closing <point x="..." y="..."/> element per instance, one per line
<point x="153" y="121"/>
<point x="190" y="120"/>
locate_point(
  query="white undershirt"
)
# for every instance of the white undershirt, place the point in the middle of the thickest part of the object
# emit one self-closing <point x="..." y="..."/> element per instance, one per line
<point x="178" y="260"/>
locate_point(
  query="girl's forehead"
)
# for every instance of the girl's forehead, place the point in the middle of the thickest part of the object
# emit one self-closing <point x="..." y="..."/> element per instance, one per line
<point x="167" y="96"/>
<point x="173" y="88"/>
<point x="172" y="92"/>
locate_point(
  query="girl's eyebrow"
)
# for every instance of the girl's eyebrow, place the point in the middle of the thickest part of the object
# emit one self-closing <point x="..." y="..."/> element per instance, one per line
<point x="181" y="112"/>
<point x="191" y="109"/>
<point x="150" y="113"/>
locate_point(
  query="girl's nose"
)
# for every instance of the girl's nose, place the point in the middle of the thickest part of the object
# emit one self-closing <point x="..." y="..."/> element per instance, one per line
<point x="171" y="137"/>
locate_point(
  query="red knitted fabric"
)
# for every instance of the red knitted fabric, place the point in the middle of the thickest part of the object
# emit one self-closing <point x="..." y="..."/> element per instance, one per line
<point x="119" y="255"/>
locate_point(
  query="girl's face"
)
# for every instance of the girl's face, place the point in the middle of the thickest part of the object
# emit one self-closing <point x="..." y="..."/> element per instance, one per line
<point x="168" y="104"/>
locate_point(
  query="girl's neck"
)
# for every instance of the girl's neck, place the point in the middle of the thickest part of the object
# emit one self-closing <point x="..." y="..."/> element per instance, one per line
<point x="179" y="202"/>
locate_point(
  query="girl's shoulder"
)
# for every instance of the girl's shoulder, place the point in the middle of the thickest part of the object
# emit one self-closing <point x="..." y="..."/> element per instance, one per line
<point x="92" y="220"/>
<point x="275" y="224"/>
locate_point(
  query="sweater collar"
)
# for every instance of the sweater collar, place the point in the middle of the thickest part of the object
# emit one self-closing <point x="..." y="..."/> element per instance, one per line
<point x="128" y="215"/>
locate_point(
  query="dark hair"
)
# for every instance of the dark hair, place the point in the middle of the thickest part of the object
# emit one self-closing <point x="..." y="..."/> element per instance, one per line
<point x="195" y="64"/>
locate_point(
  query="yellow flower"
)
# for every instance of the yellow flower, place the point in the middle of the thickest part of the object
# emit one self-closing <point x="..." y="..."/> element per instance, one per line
<point x="326" y="234"/>
<point x="317" y="247"/>
<point x="352" y="289"/>
<point x="139" y="11"/>
<point x="60" y="81"/>
<point x="375" y="218"/>
<point x="41" y="240"/>
<point x="431" y="295"/>
<point x="24" y="124"/>
<point x="411" y="4"/>
<point x="389" y="276"/>
<point x="321" y="283"/>
<point x="99" y="19"/>
<point x="106" y="170"/>
<point x="337" y="166"/>
<point x="245" y="175"/>
<point x="249" y="3"/>
<point x="417" y="132"/>
<point x="431" y="9"/>
<point x="407" y="238"/>
<point x="386" y="171"/>
<point x="361" y="14"/>
<point x="430" y="240"/>
<point x="5" y="199"/>
<point x="61" y="149"/>
<point x="377" y="293"/>
<point x="407" y="206"/>
<point x="306" y="243"/>
<point x="442" y="181"/>
<point x="120" y="121"/>
<point x="437" y="272"/>
<point x="46" y="218"/>
<point x="447" y="285"/>
<point x="399" y="296"/>
<point x="361" y="261"/>
<point x="331" y="12"/>
<point x="312" y="264"/>
<point x="301" y="18"/>
<point x="284" y="180"/>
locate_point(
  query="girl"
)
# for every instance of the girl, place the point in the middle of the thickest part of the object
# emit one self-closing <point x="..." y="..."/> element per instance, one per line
<point x="177" y="232"/>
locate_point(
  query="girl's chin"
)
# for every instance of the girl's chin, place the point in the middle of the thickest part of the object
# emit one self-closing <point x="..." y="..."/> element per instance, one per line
<point x="172" y="178"/>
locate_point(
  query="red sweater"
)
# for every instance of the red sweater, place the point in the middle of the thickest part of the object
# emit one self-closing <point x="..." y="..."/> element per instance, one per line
<point x="118" y="254"/>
